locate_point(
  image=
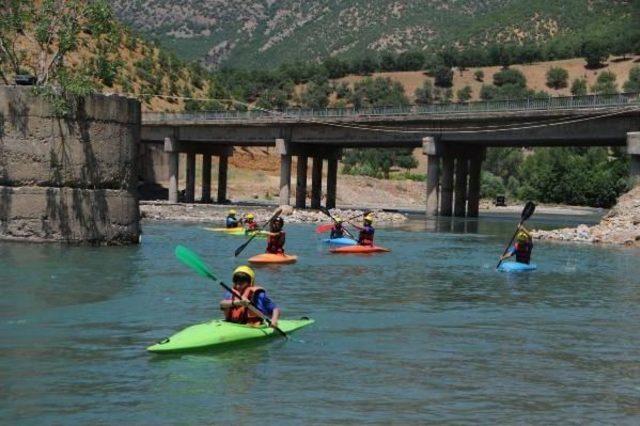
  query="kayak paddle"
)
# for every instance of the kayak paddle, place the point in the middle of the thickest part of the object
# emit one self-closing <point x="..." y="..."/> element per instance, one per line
<point x="326" y="211"/>
<point x="246" y="243"/>
<point x="528" y="210"/>
<point x="194" y="262"/>
<point x="327" y="227"/>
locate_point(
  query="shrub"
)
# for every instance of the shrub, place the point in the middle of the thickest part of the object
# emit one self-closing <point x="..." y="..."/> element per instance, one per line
<point x="633" y="84"/>
<point x="579" y="87"/>
<point x="605" y="84"/>
<point x="509" y="76"/>
<point x="557" y="78"/>
<point x="464" y="94"/>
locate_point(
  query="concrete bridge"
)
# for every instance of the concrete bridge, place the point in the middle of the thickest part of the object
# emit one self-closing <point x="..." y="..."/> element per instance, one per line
<point x="454" y="137"/>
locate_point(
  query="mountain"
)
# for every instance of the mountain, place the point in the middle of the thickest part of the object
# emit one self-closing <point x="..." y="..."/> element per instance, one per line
<point x="266" y="33"/>
<point x="90" y="50"/>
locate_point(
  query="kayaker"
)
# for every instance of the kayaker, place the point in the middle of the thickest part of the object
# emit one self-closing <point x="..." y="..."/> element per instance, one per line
<point x="337" y="231"/>
<point x="366" y="231"/>
<point x="237" y="311"/>
<point x="276" y="238"/>
<point x="522" y="248"/>
<point x="231" y="221"/>
<point x="249" y="223"/>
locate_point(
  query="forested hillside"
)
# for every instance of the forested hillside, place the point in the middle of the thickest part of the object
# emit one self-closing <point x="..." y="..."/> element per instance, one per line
<point x="79" y="47"/>
<point x="268" y="33"/>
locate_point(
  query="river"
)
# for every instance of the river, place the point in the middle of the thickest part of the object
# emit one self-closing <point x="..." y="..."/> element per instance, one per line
<point x="429" y="332"/>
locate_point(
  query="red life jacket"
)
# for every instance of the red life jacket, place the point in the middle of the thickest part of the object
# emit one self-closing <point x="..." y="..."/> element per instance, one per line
<point x="241" y="314"/>
<point x="275" y="243"/>
<point x="366" y="236"/>
<point x="523" y="252"/>
<point x="252" y="226"/>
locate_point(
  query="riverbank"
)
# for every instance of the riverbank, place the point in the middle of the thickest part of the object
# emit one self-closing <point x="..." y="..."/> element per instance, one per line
<point x="621" y="226"/>
<point x="185" y="212"/>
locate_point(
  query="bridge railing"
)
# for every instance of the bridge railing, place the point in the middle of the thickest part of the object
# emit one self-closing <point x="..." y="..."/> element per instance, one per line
<point x="514" y="105"/>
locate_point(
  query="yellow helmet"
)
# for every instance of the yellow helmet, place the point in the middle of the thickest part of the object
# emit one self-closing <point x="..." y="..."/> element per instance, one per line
<point x="250" y="216"/>
<point x="338" y="219"/>
<point x="232" y="212"/>
<point x="247" y="271"/>
<point x="368" y="218"/>
<point x="522" y="237"/>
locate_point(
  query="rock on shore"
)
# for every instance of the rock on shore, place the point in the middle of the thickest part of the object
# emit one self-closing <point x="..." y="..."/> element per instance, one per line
<point x="620" y="226"/>
<point x="162" y="210"/>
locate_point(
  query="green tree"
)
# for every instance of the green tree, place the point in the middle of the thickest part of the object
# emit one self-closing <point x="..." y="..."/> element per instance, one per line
<point x="577" y="176"/>
<point x="377" y="162"/>
<point x="443" y="76"/>
<point x="595" y="52"/>
<point x="491" y="185"/>
<point x="605" y="84"/>
<point x="557" y="78"/>
<point x="464" y="94"/>
<point x="488" y="92"/>
<point x="424" y="94"/>
<point x="509" y="76"/>
<point x="479" y="75"/>
<point x="316" y="94"/>
<point x="633" y="84"/>
<point x="579" y="87"/>
<point x="377" y="92"/>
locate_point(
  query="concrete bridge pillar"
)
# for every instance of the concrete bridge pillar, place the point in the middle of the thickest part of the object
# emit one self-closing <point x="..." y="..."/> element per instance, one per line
<point x="206" y="178"/>
<point x="432" y="149"/>
<point x="191" y="177"/>
<point x="283" y="148"/>
<point x="332" y="181"/>
<point x="460" y="201"/>
<point x="223" y="168"/>
<point x="171" y="148"/>
<point x="633" y="149"/>
<point x="475" y="170"/>
<point x="301" y="182"/>
<point x="446" y="186"/>
<point x="316" y="182"/>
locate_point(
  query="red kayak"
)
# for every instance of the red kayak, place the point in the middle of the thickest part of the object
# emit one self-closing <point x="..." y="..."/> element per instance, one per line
<point x="269" y="258"/>
<point x="359" y="249"/>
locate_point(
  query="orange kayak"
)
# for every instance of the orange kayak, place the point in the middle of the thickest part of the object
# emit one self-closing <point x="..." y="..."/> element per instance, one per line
<point x="268" y="258"/>
<point x="359" y="249"/>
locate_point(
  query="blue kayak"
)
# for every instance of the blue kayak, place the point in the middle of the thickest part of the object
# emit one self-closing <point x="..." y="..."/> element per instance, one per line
<point x="516" y="267"/>
<point x="340" y="241"/>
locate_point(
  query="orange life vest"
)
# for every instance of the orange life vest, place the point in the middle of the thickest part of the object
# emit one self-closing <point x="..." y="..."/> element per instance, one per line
<point x="241" y="314"/>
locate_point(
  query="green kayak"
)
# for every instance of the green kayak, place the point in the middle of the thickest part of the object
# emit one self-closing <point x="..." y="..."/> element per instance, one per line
<point x="217" y="333"/>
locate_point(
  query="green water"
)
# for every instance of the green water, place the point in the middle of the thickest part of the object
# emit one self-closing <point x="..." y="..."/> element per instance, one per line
<point x="429" y="332"/>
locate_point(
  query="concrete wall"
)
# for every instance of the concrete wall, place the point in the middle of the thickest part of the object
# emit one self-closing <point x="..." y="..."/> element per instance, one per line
<point x="69" y="179"/>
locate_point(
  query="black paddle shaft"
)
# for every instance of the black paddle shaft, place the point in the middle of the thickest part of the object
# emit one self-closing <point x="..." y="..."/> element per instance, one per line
<point x="528" y="210"/>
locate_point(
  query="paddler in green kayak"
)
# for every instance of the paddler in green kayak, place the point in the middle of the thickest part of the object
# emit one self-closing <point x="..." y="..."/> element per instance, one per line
<point x="237" y="311"/>
<point x="522" y="248"/>
<point x="249" y="223"/>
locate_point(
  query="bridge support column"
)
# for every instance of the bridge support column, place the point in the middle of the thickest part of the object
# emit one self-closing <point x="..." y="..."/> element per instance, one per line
<point x="301" y="182"/>
<point x="189" y="194"/>
<point x="475" y="169"/>
<point x="223" y="168"/>
<point x="432" y="149"/>
<point x="316" y="182"/>
<point x="446" y="186"/>
<point x="332" y="181"/>
<point x="633" y="149"/>
<point x="206" y="178"/>
<point x="460" y="201"/>
<point x="171" y="148"/>
<point x="283" y="149"/>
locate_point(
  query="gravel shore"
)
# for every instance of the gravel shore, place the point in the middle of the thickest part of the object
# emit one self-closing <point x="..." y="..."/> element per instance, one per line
<point x="621" y="226"/>
<point x="162" y="210"/>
